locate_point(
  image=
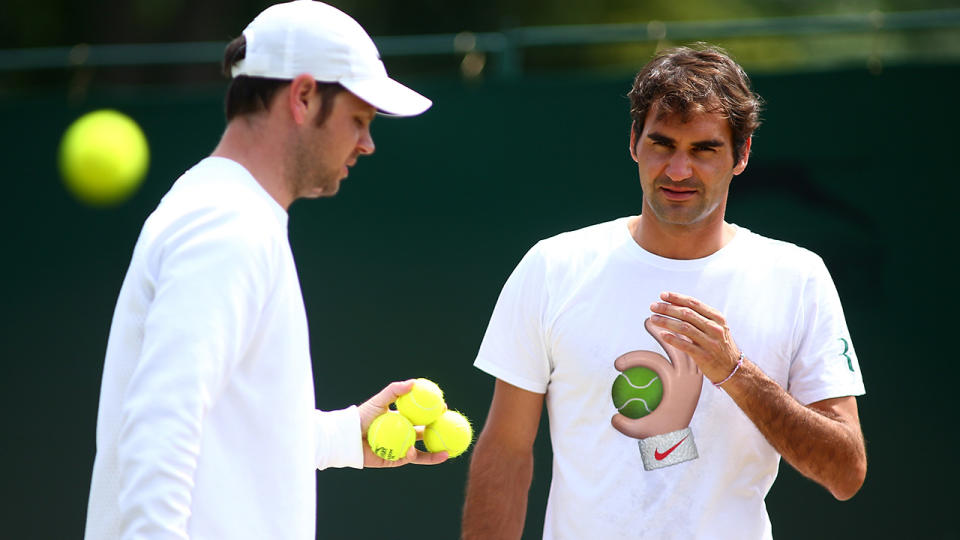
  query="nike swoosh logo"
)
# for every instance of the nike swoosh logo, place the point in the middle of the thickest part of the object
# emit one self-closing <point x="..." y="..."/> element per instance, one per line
<point x="661" y="457"/>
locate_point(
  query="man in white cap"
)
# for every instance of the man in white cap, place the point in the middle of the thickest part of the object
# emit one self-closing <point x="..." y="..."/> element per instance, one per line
<point x="206" y="424"/>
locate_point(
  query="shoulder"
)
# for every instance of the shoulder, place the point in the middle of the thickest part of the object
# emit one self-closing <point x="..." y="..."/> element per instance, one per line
<point x="564" y="259"/>
<point x="586" y="243"/>
<point x="217" y="205"/>
<point x="779" y="255"/>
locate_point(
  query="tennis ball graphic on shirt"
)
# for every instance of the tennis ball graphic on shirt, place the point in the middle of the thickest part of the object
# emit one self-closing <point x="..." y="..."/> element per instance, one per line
<point x="637" y="391"/>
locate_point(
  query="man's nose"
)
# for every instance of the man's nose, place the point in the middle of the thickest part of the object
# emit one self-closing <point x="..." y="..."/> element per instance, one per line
<point x="366" y="146"/>
<point x="679" y="168"/>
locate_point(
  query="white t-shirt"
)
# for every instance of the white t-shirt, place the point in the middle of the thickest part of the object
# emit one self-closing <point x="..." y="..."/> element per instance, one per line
<point x="206" y="425"/>
<point x="577" y="301"/>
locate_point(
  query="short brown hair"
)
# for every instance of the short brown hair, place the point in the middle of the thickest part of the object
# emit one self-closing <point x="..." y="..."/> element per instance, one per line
<point x="703" y="77"/>
<point x="248" y="95"/>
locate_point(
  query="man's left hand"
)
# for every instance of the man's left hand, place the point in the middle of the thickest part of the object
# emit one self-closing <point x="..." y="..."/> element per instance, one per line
<point x="698" y="330"/>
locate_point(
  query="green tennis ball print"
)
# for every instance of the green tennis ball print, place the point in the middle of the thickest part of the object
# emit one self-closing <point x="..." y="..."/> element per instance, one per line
<point x="637" y="391"/>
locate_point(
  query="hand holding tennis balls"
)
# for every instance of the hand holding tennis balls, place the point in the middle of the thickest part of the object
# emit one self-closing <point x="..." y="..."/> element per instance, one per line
<point x="390" y="434"/>
<point x="444" y="430"/>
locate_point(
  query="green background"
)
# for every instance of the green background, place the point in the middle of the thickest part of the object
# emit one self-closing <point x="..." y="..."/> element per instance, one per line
<point x="401" y="270"/>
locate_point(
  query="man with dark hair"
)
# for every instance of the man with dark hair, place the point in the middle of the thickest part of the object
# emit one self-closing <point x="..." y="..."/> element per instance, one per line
<point x="248" y="95"/>
<point x="207" y="425"/>
<point x="681" y="292"/>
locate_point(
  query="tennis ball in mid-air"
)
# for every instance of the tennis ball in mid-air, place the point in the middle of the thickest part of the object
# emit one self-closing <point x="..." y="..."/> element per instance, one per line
<point x="103" y="157"/>
<point x="390" y="435"/>
<point x="450" y="432"/>
<point x="423" y="404"/>
<point x="637" y="391"/>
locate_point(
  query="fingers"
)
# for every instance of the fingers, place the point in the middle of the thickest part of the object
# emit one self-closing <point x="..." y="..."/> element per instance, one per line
<point x="681" y="392"/>
<point x="692" y="303"/>
<point x="379" y="404"/>
<point x="414" y="456"/>
<point x="683" y="324"/>
<point x="657" y="334"/>
<point x="418" y="457"/>
<point x="388" y="395"/>
<point x="641" y="428"/>
<point x="687" y="318"/>
<point x="670" y="415"/>
<point x="693" y="317"/>
<point x="637" y="429"/>
<point x="678" y="324"/>
<point x="647" y="359"/>
<point x="677" y="348"/>
<point x="678" y="334"/>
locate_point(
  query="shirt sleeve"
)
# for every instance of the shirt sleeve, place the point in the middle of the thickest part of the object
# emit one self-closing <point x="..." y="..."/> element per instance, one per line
<point x="514" y="347"/>
<point x="825" y="365"/>
<point x="339" y="440"/>
<point x="210" y="280"/>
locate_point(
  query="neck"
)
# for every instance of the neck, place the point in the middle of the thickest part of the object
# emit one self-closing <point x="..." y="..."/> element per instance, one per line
<point x="682" y="242"/>
<point x="245" y="141"/>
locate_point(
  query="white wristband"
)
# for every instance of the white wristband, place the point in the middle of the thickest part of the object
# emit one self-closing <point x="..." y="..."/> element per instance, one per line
<point x="668" y="449"/>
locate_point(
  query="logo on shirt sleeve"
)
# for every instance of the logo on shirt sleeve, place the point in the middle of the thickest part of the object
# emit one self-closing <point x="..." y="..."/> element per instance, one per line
<point x="846" y="349"/>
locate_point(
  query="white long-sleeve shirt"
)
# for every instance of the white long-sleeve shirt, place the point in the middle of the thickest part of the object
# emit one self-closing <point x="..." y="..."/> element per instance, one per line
<point x="206" y="425"/>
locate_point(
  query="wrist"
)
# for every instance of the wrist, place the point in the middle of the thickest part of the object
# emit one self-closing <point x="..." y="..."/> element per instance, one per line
<point x="736" y="368"/>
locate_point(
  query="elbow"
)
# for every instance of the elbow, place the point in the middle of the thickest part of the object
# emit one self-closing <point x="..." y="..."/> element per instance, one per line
<point x="851" y="482"/>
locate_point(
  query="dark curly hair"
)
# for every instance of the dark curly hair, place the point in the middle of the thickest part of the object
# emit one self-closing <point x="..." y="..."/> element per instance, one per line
<point x="699" y="78"/>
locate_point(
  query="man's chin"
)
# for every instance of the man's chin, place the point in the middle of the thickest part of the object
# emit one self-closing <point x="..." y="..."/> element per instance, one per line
<point x="328" y="190"/>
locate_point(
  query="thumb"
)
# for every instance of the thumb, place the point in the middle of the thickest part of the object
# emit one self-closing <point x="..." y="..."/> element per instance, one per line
<point x="388" y="395"/>
<point x="378" y="404"/>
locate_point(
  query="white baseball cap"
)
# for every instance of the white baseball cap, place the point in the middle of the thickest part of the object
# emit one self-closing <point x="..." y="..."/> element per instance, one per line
<point x="304" y="36"/>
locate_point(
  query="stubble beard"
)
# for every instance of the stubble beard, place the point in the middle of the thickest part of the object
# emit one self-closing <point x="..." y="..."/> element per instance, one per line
<point x="670" y="213"/>
<point x="310" y="177"/>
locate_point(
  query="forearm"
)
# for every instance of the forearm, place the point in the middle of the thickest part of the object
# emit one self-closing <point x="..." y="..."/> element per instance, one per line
<point x="497" y="489"/>
<point x="157" y="456"/>
<point x="824" y="447"/>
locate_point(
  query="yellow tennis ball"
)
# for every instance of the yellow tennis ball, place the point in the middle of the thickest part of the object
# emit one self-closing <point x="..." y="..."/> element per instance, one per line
<point x="390" y="435"/>
<point x="450" y="432"/>
<point x="103" y="157"/>
<point x="423" y="404"/>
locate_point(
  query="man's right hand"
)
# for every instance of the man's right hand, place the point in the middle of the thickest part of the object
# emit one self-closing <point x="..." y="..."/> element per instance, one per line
<point x="379" y="404"/>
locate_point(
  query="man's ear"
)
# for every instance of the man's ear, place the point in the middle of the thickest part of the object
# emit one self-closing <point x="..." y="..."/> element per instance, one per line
<point x="744" y="157"/>
<point x="633" y="141"/>
<point x="301" y="90"/>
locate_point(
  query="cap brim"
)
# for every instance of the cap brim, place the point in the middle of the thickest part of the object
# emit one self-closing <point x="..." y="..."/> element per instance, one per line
<point x="388" y="96"/>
